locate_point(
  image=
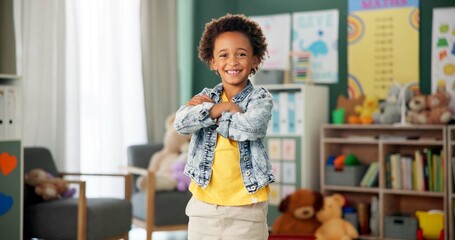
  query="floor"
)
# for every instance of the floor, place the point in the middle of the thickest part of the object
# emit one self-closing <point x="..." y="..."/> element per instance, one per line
<point x="139" y="234"/>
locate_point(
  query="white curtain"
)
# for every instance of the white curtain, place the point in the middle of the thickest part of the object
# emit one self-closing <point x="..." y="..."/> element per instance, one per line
<point x="88" y="105"/>
<point x="160" y="64"/>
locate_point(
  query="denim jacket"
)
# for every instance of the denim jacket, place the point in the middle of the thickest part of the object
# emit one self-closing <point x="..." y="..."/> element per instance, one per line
<point x="248" y="129"/>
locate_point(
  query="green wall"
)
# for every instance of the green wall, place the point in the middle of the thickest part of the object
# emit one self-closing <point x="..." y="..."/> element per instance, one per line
<point x="205" y="10"/>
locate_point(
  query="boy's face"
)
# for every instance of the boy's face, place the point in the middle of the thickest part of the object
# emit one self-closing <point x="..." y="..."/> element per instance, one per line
<point x="233" y="58"/>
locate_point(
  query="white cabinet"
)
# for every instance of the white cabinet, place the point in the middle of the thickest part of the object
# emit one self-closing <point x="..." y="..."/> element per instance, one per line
<point x="292" y="140"/>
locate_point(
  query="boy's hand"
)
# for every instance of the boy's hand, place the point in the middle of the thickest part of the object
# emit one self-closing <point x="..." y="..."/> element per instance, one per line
<point x="198" y="99"/>
<point x="215" y="111"/>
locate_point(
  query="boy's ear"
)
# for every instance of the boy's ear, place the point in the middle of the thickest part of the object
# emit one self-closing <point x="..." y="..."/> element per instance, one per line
<point x="213" y="64"/>
<point x="255" y="61"/>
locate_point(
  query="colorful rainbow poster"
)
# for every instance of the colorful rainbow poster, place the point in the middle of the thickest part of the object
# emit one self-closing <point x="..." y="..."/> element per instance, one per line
<point x="443" y="53"/>
<point x="317" y="32"/>
<point x="383" y="45"/>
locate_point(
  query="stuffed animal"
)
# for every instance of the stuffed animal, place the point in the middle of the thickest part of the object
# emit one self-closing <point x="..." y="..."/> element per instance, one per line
<point x="349" y="105"/>
<point x="365" y="111"/>
<point x="390" y="108"/>
<point x="161" y="161"/>
<point x="48" y="190"/>
<point x="183" y="181"/>
<point x="298" y="213"/>
<point x="333" y="226"/>
<point x="432" y="109"/>
<point x="438" y="110"/>
<point x="417" y="106"/>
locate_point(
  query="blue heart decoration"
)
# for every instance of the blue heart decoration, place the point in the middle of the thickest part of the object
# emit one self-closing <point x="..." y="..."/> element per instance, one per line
<point x="6" y="202"/>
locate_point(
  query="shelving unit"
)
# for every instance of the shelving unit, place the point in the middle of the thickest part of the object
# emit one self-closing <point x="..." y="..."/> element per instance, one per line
<point x="292" y="140"/>
<point x="451" y="180"/>
<point x="370" y="143"/>
<point x="11" y="177"/>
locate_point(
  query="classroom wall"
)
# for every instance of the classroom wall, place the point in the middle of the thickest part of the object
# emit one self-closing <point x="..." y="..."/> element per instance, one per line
<point x="205" y="10"/>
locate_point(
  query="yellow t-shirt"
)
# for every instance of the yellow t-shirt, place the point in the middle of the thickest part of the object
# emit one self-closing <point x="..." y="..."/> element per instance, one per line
<point x="226" y="184"/>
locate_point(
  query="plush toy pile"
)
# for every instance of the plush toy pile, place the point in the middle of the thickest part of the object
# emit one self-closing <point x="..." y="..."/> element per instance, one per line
<point x="162" y="161"/>
<point x="48" y="190"/>
<point x="307" y="213"/>
<point x="431" y="109"/>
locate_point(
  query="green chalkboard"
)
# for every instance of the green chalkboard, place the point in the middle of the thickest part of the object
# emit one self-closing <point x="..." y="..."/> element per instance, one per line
<point x="205" y="10"/>
<point x="10" y="190"/>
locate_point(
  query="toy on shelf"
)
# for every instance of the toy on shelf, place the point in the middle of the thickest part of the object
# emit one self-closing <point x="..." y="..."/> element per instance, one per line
<point x="365" y="111"/>
<point x="298" y="213"/>
<point x="349" y="106"/>
<point x="390" y="108"/>
<point x="333" y="225"/>
<point x="432" y="109"/>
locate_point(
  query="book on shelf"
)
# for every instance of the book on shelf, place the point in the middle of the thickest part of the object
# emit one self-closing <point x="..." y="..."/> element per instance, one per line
<point x="395" y="171"/>
<point x="370" y="178"/>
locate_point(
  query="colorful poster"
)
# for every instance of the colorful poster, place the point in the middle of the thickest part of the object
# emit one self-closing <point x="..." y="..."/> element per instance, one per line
<point x="277" y="30"/>
<point x="317" y="32"/>
<point x="443" y="53"/>
<point x="383" y="45"/>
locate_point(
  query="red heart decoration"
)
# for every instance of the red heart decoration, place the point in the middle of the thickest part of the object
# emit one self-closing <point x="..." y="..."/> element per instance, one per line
<point x="7" y="163"/>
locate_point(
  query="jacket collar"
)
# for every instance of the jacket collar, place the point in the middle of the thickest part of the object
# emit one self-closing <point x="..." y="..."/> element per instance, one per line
<point x="218" y="89"/>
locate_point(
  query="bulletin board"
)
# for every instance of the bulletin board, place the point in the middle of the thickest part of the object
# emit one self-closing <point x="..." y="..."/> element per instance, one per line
<point x="10" y="189"/>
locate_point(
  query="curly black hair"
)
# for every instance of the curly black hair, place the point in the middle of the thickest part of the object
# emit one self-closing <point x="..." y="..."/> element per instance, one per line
<point x="232" y="23"/>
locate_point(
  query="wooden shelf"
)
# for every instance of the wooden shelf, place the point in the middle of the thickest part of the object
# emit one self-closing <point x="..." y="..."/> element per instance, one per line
<point x="450" y="180"/>
<point x="375" y="143"/>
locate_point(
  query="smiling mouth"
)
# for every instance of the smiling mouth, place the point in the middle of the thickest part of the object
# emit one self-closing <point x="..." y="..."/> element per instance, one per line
<point x="233" y="71"/>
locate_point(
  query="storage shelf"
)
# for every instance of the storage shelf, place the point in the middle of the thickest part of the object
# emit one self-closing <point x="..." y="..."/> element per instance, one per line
<point x="352" y="189"/>
<point x="414" y="193"/>
<point x="376" y="143"/>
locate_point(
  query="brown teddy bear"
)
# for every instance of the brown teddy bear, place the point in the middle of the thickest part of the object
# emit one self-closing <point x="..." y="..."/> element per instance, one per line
<point x="161" y="162"/>
<point x="333" y="226"/>
<point x="298" y="213"/>
<point x="438" y="110"/>
<point x="417" y="106"/>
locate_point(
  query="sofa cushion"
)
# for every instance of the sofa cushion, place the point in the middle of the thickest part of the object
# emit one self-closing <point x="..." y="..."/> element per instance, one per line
<point x="58" y="219"/>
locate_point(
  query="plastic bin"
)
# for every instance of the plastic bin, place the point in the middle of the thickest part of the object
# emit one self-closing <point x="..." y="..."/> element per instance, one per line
<point x="401" y="226"/>
<point x="349" y="176"/>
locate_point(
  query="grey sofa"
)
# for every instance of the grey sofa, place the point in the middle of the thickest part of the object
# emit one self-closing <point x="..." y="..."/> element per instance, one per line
<point x="155" y="210"/>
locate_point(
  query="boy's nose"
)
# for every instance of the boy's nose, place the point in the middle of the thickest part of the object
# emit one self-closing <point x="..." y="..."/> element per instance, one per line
<point x="233" y="63"/>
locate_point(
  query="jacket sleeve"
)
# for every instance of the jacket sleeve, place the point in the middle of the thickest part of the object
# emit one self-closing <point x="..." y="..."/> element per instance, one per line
<point x="189" y="119"/>
<point x="251" y="124"/>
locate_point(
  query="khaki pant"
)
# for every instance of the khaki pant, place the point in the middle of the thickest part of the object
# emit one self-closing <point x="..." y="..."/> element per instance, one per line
<point x="214" y="222"/>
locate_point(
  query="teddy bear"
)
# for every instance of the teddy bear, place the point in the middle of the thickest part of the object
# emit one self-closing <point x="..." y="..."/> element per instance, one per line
<point x="333" y="226"/>
<point x="417" y="106"/>
<point x="183" y="181"/>
<point x="161" y="162"/>
<point x="298" y="213"/>
<point x="365" y="111"/>
<point x="438" y="110"/>
<point x="48" y="190"/>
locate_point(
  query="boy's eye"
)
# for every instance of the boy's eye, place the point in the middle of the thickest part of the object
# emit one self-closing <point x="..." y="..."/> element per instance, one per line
<point x="222" y="55"/>
<point x="242" y="54"/>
